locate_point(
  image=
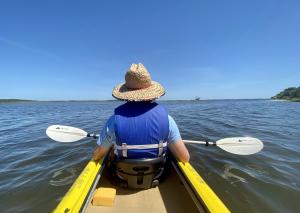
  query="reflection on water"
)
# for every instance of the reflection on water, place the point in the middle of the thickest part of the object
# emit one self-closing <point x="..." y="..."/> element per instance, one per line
<point x="36" y="172"/>
<point x="230" y="176"/>
<point x="254" y="171"/>
<point x="63" y="177"/>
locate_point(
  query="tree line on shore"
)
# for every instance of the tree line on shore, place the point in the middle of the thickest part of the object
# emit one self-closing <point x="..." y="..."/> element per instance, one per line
<point x="291" y="93"/>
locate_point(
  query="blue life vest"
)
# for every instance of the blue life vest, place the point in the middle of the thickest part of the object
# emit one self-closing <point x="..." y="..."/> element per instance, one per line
<point x="141" y="130"/>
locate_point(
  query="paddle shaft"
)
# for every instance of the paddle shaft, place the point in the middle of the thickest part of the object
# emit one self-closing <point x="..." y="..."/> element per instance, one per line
<point x="92" y="135"/>
<point x="201" y="142"/>
<point x="95" y="136"/>
<point x="234" y="145"/>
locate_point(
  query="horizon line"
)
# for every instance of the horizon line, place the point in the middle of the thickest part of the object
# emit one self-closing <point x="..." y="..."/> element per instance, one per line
<point x="78" y="100"/>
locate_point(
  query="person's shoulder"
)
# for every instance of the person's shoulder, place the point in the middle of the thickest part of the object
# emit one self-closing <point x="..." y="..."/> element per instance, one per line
<point x="170" y="117"/>
<point x="110" y="122"/>
<point x="160" y="105"/>
<point x="111" y="118"/>
<point x="171" y="121"/>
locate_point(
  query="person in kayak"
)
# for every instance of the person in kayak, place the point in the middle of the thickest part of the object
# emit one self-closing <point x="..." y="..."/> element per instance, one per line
<point x="141" y="128"/>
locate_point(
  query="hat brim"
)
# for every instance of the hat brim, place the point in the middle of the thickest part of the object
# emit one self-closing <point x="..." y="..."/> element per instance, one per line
<point x="155" y="91"/>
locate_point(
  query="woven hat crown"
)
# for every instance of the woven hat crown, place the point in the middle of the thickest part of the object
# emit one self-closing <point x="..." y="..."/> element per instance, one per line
<point x="138" y="86"/>
<point x="137" y="77"/>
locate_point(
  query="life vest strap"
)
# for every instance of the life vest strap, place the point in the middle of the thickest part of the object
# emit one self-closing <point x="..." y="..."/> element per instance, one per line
<point x="160" y="146"/>
<point x="124" y="148"/>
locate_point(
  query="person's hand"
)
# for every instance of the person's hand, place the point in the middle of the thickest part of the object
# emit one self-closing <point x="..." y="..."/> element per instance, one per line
<point x="99" y="153"/>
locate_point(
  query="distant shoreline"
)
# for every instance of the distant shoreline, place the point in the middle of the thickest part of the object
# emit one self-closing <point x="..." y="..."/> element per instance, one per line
<point x="289" y="94"/>
<point x="112" y="100"/>
<point x="286" y="99"/>
<point x="14" y="100"/>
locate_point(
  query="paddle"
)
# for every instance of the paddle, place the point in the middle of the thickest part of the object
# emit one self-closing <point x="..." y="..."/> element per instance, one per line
<point x="235" y="145"/>
<point x="67" y="134"/>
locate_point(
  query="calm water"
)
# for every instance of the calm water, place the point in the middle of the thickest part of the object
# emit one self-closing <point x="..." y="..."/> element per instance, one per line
<point x="36" y="172"/>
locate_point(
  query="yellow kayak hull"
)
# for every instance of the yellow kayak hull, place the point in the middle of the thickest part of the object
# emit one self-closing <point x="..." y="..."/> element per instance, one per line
<point x="74" y="200"/>
<point x="79" y="195"/>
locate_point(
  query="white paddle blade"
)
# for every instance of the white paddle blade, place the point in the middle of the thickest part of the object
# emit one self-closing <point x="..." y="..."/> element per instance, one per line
<point x="240" y="145"/>
<point x="65" y="133"/>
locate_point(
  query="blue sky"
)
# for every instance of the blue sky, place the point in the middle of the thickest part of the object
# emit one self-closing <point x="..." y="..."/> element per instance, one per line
<point x="55" y="50"/>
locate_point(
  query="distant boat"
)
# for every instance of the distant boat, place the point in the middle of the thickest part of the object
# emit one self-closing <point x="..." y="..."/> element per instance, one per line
<point x="197" y="99"/>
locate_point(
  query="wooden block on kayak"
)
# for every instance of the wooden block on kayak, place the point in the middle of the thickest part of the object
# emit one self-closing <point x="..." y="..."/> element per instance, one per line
<point x="104" y="197"/>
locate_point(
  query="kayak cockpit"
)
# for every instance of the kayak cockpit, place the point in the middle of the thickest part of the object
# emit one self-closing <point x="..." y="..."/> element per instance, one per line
<point x="169" y="196"/>
<point x="182" y="190"/>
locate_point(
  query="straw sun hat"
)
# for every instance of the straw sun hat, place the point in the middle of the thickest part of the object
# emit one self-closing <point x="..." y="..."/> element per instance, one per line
<point x="138" y="86"/>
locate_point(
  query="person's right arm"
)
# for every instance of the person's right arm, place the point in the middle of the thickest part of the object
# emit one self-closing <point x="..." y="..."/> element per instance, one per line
<point x="180" y="151"/>
<point x="175" y="143"/>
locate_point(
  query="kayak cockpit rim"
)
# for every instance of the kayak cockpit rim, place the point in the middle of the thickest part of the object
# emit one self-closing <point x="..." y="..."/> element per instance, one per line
<point x="94" y="185"/>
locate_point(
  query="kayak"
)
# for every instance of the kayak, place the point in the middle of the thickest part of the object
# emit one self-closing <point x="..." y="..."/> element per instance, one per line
<point x="183" y="190"/>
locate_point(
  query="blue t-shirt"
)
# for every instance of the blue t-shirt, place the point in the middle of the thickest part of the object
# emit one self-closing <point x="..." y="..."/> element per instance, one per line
<point x="107" y="134"/>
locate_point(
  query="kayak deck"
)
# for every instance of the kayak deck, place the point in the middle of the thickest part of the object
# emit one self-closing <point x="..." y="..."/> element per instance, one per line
<point x="169" y="196"/>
